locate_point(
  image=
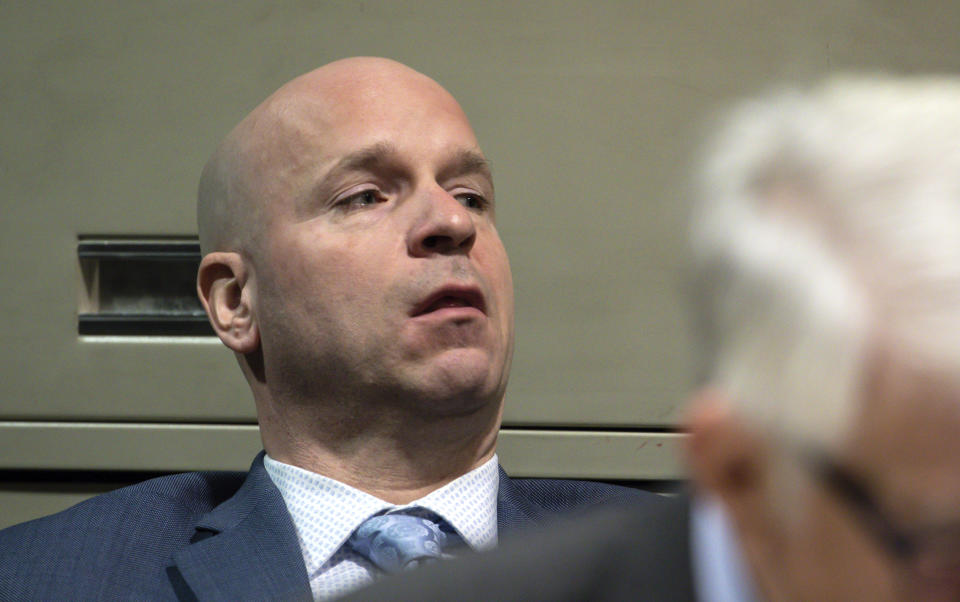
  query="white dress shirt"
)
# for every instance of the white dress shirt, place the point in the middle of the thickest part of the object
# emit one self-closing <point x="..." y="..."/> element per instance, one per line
<point x="326" y="512"/>
<point x="719" y="571"/>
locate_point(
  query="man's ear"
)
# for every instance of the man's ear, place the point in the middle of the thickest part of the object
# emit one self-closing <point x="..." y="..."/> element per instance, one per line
<point x="725" y="457"/>
<point x="225" y="289"/>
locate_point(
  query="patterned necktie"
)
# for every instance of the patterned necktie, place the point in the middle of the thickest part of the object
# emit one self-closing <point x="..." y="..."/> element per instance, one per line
<point x="399" y="541"/>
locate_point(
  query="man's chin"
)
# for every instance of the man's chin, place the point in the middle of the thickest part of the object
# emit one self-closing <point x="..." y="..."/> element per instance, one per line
<point x="458" y="384"/>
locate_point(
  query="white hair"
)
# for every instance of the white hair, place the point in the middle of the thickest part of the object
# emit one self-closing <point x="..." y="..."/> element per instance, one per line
<point x="825" y="220"/>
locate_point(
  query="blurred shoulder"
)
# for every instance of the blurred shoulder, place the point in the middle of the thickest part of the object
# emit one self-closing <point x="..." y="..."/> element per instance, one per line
<point x="638" y="552"/>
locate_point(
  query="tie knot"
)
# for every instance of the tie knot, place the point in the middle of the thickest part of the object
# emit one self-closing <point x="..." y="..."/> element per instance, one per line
<point x="398" y="541"/>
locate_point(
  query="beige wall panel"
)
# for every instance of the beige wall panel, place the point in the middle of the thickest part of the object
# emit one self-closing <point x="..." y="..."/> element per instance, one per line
<point x="26" y="500"/>
<point x="523" y="453"/>
<point x="184" y="447"/>
<point x="588" y="110"/>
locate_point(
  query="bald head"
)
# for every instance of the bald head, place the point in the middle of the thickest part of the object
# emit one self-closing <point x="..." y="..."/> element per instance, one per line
<point x="332" y="219"/>
<point x="252" y="167"/>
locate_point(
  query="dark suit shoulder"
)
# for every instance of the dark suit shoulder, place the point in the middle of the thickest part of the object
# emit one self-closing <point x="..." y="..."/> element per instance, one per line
<point x="118" y="541"/>
<point x="564" y="495"/>
<point x="524" y="504"/>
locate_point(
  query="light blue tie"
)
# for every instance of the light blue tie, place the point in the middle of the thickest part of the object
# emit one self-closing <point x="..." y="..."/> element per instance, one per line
<point x="399" y="541"/>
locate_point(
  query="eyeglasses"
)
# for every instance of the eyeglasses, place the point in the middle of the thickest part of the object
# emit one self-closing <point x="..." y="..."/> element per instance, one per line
<point x="938" y="547"/>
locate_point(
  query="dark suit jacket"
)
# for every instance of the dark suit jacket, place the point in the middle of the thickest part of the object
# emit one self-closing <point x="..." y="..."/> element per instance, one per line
<point x="638" y="553"/>
<point x="211" y="536"/>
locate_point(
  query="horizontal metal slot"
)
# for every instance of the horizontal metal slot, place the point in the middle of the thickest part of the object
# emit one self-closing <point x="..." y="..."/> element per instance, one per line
<point x="140" y="287"/>
<point x="144" y="325"/>
<point x="160" y="250"/>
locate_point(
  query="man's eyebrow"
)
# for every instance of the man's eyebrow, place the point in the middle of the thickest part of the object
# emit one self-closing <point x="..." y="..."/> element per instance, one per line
<point x="366" y="158"/>
<point x="383" y="154"/>
<point x="465" y="162"/>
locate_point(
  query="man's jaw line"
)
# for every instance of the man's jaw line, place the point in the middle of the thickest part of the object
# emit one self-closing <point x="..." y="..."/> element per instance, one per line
<point x="399" y="460"/>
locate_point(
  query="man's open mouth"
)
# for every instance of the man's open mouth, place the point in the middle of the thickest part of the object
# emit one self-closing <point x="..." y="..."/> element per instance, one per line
<point x="451" y="297"/>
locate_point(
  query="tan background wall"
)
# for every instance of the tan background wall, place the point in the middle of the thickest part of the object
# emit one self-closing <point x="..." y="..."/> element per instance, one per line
<point x="590" y="112"/>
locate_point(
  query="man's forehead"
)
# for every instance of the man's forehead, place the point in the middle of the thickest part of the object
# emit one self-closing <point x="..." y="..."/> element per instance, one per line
<point x="306" y="135"/>
<point x="352" y="92"/>
<point x="909" y="416"/>
<point x="328" y="116"/>
<point x="904" y="441"/>
<point x="344" y="118"/>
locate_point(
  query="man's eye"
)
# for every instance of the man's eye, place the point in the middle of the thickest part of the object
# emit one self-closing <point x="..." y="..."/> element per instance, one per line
<point x="473" y="201"/>
<point x="364" y="198"/>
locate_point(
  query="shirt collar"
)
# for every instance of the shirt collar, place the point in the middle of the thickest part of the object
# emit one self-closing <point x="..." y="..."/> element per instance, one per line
<point x="325" y="511"/>
<point x="469" y="504"/>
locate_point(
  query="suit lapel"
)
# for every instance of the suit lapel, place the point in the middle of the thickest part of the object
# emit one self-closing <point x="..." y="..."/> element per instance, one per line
<point x="245" y="548"/>
<point x="514" y="510"/>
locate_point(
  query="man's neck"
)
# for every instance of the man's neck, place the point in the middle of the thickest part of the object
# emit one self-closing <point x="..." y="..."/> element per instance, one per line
<point x="398" y="460"/>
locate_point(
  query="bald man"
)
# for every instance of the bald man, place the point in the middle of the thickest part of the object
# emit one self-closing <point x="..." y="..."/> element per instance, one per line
<point x="351" y="262"/>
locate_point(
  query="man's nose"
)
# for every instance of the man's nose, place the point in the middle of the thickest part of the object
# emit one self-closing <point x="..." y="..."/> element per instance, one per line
<point x="443" y="225"/>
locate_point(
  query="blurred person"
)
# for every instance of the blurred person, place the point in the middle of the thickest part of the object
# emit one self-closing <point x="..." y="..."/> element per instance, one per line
<point x="824" y="444"/>
<point x="351" y="262"/>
